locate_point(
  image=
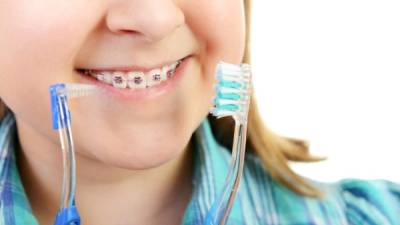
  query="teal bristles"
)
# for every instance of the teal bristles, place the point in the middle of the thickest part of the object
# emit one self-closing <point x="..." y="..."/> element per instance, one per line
<point x="230" y="84"/>
<point x="232" y="90"/>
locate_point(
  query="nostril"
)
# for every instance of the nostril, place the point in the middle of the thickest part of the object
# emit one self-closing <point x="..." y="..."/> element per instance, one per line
<point x="126" y="31"/>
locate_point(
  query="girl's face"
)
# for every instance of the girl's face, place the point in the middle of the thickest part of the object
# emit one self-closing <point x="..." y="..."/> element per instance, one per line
<point x="45" y="41"/>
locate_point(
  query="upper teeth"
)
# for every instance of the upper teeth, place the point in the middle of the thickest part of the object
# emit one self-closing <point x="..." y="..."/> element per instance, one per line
<point x="136" y="79"/>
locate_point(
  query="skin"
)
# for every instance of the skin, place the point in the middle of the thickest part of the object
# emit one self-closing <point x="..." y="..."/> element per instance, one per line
<point x="133" y="157"/>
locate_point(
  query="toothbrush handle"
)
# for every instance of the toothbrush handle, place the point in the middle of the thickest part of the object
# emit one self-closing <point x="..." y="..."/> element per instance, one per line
<point x="68" y="213"/>
<point x="68" y="152"/>
<point x="239" y="150"/>
<point x="220" y="210"/>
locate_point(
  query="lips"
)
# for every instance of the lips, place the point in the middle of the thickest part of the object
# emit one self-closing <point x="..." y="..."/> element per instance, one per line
<point x="136" y="84"/>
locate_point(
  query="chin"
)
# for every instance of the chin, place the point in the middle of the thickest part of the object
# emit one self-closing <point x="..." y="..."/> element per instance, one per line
<point x="137" y="153"/>
<point x="149" y="158"/>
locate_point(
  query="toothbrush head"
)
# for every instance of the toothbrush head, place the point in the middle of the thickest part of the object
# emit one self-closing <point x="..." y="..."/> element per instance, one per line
<point x="59" y="93"/>
<point x="73" y="90"/>
<point x="232" y="91"/>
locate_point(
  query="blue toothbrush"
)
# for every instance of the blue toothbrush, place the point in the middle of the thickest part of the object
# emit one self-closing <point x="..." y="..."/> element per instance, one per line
<point x="59" y="94"/>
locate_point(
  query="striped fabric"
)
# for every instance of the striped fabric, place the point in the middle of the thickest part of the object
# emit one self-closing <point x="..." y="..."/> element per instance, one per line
<point x="260" y="201"/>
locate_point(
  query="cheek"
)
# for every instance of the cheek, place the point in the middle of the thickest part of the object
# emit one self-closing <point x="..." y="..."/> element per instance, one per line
<point x="44" y="35"/>
<point x="220" y="26"/>
<point x="38" y="43"/>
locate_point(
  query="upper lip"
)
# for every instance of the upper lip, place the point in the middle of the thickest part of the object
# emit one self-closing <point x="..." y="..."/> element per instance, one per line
<point x="131" y="68"/>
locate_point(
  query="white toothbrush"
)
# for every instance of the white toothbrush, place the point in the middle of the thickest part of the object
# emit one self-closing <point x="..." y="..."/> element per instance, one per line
<point x="232" y="98"/>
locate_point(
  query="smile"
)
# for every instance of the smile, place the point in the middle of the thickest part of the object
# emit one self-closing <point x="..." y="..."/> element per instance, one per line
<point x="136" y="84"/>
<point x="134" y="79"/>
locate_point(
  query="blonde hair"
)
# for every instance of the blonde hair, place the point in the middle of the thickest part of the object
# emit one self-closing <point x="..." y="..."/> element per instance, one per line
<point x="274" y="151"/>
<point x="2" y="109"/>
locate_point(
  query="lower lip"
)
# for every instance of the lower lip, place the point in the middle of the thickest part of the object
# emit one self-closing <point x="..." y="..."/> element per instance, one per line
<point x="141" y="94"/>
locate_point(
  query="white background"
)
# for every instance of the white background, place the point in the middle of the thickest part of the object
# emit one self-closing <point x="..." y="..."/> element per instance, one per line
<point x="329" y="72"/>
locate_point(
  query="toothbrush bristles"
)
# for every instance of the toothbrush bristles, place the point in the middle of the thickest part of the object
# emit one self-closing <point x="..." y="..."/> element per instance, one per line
<point x="79" y="90"/>
<point x="232" y="91"/>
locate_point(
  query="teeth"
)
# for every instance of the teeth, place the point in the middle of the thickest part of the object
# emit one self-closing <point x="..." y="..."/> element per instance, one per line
<point x="170" y="73"/>
<point x="164" y="71"/>
<point x="136" y="80"/>
<point x="107" y="77"/>
<point x="119" y="80"/>
<point x="100" y="77"/>
<point x="171" y="69"/>
<point x="176" y="65"/>
<point x="153" y="77"/>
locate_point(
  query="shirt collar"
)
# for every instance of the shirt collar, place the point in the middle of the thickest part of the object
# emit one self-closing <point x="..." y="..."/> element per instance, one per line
<point x="14" y="205"/>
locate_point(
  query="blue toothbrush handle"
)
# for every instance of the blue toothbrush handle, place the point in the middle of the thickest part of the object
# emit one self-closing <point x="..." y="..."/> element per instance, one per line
<point x="68" y="216"/>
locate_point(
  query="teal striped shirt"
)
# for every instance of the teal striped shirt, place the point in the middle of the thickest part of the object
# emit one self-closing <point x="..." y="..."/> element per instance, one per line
<point x="260" y="200"/>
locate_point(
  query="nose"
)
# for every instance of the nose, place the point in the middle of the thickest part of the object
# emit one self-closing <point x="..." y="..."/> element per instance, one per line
<point x="151" y="19"/>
